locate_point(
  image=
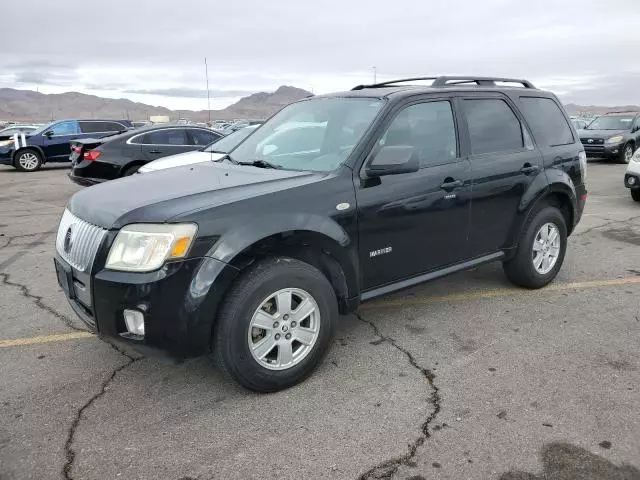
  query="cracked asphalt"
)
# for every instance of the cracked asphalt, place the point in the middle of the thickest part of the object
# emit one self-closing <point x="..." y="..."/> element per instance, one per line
<point x="464" y="378"/>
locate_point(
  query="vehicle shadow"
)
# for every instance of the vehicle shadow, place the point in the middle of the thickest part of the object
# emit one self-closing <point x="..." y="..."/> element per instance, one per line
<point x="563" y="461"/>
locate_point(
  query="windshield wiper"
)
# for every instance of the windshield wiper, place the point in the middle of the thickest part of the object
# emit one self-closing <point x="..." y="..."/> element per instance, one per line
<point x="260" y="164"/>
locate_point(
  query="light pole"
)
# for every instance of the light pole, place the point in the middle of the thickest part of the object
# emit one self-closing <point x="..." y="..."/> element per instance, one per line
<point x="375" y="74"/>
<point x="206" y="73"/>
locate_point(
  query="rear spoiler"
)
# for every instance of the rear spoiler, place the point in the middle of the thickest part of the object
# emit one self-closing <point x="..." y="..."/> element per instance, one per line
<point x="89" y="141"/>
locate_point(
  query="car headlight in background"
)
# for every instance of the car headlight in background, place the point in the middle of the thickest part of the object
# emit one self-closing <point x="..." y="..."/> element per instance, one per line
<point x="4" y="143"/>
<point x="145" y="247"/>
<point x="616" y="139"/>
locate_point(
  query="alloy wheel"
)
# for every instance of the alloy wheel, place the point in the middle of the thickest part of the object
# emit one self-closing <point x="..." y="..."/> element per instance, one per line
<point x="546" y="248"/>
<point x="28" y="161"/>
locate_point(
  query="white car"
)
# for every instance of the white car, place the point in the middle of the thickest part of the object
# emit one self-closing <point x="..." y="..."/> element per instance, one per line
<point x="210" y="153"/>
<point x="632" y="177"/>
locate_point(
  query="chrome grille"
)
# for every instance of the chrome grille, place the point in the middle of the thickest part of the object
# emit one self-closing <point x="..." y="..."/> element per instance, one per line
<point x="592" y="141"/>
<point x="78" y="241"/>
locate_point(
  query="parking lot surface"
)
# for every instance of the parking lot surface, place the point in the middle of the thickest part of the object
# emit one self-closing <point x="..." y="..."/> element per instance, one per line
<point x="464" y="378"/>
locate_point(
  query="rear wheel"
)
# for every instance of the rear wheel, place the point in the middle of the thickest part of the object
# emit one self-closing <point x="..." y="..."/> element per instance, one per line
<point x="635" y="194"/>
<point x="28" y="160"/>
<point x="540" y="251"/>
<point x="131" y="170"/>
<point x="275" y="325"/>
<point x="626" y="154"/>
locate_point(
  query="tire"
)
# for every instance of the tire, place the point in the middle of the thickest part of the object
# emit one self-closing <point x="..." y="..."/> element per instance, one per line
<point x="28" y="160"/>
<point x="131" y="170"/>
<point x="626" y="154"/>
<point x="635" y="194"/>
<point x="236" y="337"/>
<point x="521" y="270"/>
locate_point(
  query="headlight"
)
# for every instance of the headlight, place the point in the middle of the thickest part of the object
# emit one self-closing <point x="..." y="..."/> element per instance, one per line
<point x="616" y="139"/>
<point x="4" y="143"/>
<point x="145" y="247"/>
<point x="636" y="156"/>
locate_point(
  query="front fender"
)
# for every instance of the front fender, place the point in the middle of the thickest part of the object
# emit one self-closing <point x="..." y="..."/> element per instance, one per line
<point x="31" y="147"/>
<point x="321" y="232"/>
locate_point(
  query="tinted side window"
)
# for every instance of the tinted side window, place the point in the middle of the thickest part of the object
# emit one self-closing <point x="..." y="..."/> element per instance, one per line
<point x="65" y="128"/>
<point x="550" y="128"/>
<point x="92" y="127"/>
<point x="202" y="137"/>
<point x="174" y="136"/>
<point x="493" y="127"/>
<point x="113" y="127"/>
<point x="429" y="128"/>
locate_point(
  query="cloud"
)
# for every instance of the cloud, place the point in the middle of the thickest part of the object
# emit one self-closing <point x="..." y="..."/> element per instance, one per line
<point x="256" y="45"/>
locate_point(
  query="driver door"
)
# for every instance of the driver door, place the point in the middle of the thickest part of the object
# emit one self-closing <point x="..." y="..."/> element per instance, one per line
<point x="413" y="223"/>
<point x="56" y="146"/>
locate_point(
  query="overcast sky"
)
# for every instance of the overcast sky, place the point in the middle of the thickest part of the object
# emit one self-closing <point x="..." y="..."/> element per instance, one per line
<point x="587" y="51"/>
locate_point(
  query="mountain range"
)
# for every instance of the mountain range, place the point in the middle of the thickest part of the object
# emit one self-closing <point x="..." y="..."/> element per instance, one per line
<point x="30" y="106"/>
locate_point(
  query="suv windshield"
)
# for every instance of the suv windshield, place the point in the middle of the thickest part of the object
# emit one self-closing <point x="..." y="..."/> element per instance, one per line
<point x="316" y="135"/>
<point x="610" y="122"/>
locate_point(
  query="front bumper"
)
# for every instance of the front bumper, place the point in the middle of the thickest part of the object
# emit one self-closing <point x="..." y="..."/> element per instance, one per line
<point x="603" y="150"/>
<point x="6" y="156"/>
<point x="179" y="303"/>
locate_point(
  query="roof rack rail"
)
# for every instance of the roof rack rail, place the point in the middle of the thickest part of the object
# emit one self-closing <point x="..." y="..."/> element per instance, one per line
<point x="444" y="81"/>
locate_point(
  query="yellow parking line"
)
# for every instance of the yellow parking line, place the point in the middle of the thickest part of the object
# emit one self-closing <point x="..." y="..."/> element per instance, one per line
<point x="498" y="292"/>
<point x="61" y="337"/>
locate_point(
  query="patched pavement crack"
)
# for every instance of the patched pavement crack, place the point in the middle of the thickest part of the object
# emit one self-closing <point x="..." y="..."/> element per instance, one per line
<point x="37" y="300"/>
<point x="69" y="451"/>
<point x="389" y="468"/>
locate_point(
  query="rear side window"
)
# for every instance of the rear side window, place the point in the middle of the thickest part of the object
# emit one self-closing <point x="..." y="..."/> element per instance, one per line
<point x="202" y="137"/>
<point x="174" y="136"/>
<point x="114" y="127"/>
<point x="493" y="127"/>
<point x="550" y="127"/>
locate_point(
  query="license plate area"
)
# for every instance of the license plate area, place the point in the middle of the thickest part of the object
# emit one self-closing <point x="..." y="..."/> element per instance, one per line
<point x="65" y="279"/>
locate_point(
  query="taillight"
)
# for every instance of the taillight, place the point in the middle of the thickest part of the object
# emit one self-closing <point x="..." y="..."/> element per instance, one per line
<point x="92" y="155"/>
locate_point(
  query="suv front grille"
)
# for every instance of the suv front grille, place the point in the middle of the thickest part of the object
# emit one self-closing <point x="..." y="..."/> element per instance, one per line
<point x="78" y="241"/>
<point x="592" y="141"/>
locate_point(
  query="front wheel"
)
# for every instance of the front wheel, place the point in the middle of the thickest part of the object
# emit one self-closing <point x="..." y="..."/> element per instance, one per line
<point x="275" y="325"/>
<point x="28" y="161"/>
<point x="540" y="251"/>
<point x="626" y="154"/>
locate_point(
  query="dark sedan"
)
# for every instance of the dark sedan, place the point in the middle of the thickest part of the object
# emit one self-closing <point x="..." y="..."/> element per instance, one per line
<point x="98" y="160"/>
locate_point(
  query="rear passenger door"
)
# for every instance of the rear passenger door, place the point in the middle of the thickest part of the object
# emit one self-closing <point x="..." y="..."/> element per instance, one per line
<point x="167" y="141"/>
<point x="504" y="163"/>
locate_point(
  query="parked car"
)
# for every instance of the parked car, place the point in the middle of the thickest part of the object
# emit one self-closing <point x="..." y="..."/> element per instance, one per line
<point x="579" y="123"/>
<point x="7" y="132"/>
<point x="613" y="135"/>
<point x="50" y="143"/>
<point x="211" y="153"/>
<point x="239" y="125"/>
<point x="632" y="176"/>
<point x="97" y="160"/>
<point x="253" y="258"/>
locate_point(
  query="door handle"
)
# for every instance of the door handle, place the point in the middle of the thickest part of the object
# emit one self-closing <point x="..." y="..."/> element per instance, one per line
<point x="155" y="151"/>
<point x="450" y="184"/>
<point x="528" y="169"/>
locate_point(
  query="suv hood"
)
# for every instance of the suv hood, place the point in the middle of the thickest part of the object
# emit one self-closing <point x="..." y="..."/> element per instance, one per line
<point x="160" y="196"/>
<point x="601" y="133"/>
<point x="182" y="159"/>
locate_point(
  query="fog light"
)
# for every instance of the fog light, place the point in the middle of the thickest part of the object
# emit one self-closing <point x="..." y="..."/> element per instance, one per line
<point x="134" y="321"/>
<point x="631" y="180"/>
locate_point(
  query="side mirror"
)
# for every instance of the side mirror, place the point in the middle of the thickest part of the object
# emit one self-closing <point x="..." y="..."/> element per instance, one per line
<point x="393" y="160"/>
<point x="48" y="134"/>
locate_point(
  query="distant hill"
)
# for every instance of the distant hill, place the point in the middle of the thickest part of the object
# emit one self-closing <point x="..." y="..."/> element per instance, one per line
<point x="574" y="109"/>
<point x="27" y="105"/>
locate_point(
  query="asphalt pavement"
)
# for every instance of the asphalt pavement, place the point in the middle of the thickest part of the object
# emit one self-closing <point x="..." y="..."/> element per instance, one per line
<point x="463" y="378"/>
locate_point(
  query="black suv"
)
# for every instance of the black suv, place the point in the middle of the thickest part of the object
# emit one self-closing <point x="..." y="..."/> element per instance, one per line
<point x="253" y="257"/>
<point x="614" y="135"/>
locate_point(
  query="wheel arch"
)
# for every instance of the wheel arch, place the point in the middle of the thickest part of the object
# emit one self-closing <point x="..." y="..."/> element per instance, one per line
<point x="560" y="194"/>
<point x="37" y="148"/>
